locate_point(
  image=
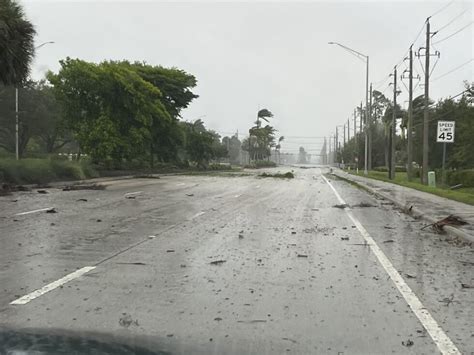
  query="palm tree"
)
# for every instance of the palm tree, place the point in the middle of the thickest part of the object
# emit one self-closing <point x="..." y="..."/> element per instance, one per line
<point x="16" y="43"/>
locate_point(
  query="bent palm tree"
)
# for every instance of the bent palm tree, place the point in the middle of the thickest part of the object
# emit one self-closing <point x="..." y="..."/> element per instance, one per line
<point x="16" y="43"/>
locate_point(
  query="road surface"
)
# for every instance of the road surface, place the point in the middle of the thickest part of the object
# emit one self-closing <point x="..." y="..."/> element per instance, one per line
<point x="220" y="264"/>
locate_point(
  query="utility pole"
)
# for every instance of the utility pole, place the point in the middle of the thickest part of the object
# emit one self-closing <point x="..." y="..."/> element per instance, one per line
<point x="348" y="130"/>
<point x="427" y="98"/>
<point x="369" y="165"/>
<point x="393" y="128"/>
<point x="337" y="146"/>
<point x="361" y="115"/>
<point x="344" y="134"/>
<point x="410" y="118"/>
<point x="330" y="156"/>
<point x="356" y="145"/>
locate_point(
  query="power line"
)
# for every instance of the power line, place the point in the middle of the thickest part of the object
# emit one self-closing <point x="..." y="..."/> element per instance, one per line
<point x="452" y="70"/>
<point x="443" y="8"/>
<point x="452" y="20"/>
<point x="455" y="33"/>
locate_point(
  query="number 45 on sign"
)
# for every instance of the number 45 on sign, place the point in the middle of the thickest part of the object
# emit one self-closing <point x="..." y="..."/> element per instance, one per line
<point x="445" y="132"/>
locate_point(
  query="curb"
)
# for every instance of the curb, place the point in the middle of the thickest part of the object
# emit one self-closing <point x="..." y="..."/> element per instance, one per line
<point x="413" y="212"/>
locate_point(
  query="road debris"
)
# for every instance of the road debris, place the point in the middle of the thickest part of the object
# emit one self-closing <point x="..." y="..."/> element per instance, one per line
<point x="170" y="251"/>
<point x="341" y="206"/>
<point x="447" y="300"/>
<point x="126" y="320"/>
<point x="302" y="256"/>
<point x="388" y="227"/>
<point x="132" y="263"/>
<point x="388" y="241"/>
<point x="410" y="276"/>
<point x="42" y="191"/>
<point x="451" y="220"/>
<point x="364" y="204"/>
<point x="218" y="319"/>
<point x="287" y="175"/>
<point x="51" y="210"/>
<point x="190" y="195"/>
<point x="82" y="199"/>
<point x="408" y="343"/>
<point x="83" y="187"/>
<point x="217" y="262"/>
<point x="99" y="220"/>
<point x="344" y="238"/>
<point x="293" y="232"/>
<point x="467" y="286"/>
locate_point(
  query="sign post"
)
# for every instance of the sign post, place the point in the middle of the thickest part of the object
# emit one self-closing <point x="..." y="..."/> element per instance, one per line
<point x="445" y="134"/>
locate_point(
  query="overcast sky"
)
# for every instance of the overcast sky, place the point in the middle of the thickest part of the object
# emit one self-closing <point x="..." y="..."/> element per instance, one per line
<point x="251" y="55"/>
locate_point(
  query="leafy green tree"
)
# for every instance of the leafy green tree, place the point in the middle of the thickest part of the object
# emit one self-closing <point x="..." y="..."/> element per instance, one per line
<point x="16" y="43"/>
<point x="109" y="108"/>
<point x="202" y="145"/>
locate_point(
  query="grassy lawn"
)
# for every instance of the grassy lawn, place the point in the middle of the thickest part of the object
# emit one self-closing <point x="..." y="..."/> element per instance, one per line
<point x="465" y="195"/>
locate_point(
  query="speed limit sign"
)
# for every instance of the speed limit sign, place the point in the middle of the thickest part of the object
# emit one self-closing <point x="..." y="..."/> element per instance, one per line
<point x="445" y="132"/>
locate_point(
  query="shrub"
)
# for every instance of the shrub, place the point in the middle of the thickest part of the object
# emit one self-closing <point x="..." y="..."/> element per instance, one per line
<point x="41" y="171"/>
<point x="464" y="177"/>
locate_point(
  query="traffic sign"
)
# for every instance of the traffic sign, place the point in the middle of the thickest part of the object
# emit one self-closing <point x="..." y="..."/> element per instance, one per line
<point x="445" y="132"/>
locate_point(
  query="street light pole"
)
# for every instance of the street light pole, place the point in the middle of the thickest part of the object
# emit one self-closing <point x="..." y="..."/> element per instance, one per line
<point x="17" y="121"/>
<point x="366" y="58"/>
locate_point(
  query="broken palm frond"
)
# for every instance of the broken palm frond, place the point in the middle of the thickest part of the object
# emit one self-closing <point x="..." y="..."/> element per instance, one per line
<point x="451" y="220"/>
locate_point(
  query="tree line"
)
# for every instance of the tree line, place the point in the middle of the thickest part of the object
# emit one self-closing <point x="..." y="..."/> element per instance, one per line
<point x="114" y="111"/>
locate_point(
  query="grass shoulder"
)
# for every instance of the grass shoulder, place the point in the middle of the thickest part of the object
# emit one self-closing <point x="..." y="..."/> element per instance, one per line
<point x="465" y="195"/>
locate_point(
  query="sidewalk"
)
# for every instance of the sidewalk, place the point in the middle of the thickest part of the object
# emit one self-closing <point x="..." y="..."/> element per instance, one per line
<point x="430" y="207"/>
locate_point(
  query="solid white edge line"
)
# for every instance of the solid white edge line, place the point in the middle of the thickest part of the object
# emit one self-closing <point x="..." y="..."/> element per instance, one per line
<point x="49" y="287"/>
<point x="34" y="211"/>
<point x="442" y="341"/>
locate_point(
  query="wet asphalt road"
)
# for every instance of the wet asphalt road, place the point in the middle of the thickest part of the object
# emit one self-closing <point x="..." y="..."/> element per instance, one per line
<point x="292" y="273"/>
